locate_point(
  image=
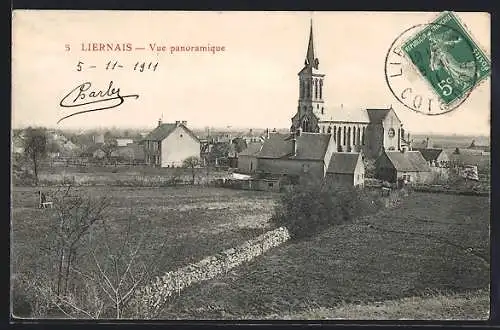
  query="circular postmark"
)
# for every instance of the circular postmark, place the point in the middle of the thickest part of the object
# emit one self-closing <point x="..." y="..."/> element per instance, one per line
<point x="431" y="68"/>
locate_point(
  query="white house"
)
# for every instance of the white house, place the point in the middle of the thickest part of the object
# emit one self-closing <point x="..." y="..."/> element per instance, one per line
<point x="168" y="145"/>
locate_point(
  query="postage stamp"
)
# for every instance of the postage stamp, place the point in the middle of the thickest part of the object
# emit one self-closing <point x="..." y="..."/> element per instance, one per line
<point x="432" y="68"/>
<point x="448" y="58"/>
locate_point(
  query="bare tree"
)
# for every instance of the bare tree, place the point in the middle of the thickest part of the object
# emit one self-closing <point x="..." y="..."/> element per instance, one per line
<point x="35" y="147"/>
<point x="114" y="259"/>
<point x="192" y="162"/>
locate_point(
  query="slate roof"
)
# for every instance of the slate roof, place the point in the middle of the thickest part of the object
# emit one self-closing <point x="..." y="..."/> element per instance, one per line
<point x="343" y="162"/>
<point x="164" y="130"/>
<point x="160" y="132"/>
<point x="343" y="113"/>
<point x="377" y="115"/>
<point x="430" y="153"/>
<point x="408" y="161"/>
<point x="252" y="149"/>
<point x="310" y="146"/>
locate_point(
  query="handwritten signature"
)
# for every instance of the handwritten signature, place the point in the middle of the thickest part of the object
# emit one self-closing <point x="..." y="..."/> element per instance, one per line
<point x="82" y="95"/>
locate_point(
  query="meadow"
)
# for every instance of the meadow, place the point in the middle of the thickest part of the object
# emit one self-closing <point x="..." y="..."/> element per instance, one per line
<point x="193" y="221"/>
<point x="431" y="243"/>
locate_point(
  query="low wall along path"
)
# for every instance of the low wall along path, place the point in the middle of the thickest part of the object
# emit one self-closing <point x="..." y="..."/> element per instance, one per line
<point x="151" y="298"/>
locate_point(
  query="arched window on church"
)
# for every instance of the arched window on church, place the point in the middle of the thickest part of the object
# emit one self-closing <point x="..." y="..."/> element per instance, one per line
<point x="315" y="88"/>
<point x="321" y="88"/>
<point x="329" y="129"/>
<point x="335" y="131"/>
<point x="323" y="129"/>
<point x="305" y="126"/>
<point x="349" y="136"/>
<point x="358" y="138"/>
<point x="339" y="135"/>
<point x="363" y="136"/>
<point x="344" y="131"/>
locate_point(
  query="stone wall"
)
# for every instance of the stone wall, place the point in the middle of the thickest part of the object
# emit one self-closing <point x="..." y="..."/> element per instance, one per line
<point x="151" y="298"/>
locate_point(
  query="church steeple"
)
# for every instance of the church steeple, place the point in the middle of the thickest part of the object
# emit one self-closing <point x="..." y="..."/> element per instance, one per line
<point x="311" y="104"/>
<point x="310" y="56"/>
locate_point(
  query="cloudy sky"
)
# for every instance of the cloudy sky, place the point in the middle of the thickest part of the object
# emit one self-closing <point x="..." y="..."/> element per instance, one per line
<point x="253" y="83"/>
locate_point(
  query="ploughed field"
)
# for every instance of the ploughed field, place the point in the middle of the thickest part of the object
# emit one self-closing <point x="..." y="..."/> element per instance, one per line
<point x="193" y="222"/>
<point x="432" y="243"/>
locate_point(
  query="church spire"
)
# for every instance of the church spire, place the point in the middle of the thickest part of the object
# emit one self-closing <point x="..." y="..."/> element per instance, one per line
<point x="310" y="56"/>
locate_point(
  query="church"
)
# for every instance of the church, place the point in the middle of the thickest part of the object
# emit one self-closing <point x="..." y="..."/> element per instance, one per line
<point x="355" y="129"/>
<point x="330" y="143"/>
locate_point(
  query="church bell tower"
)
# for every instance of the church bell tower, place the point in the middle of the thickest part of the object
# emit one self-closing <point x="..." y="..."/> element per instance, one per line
<point x="311" y="104"/>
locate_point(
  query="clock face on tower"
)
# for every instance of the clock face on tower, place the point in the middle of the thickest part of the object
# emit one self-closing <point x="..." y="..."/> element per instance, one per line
<point x="391" y="132"/>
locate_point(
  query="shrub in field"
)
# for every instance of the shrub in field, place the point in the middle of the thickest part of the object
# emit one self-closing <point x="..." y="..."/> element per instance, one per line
<point x="306" y="210"/>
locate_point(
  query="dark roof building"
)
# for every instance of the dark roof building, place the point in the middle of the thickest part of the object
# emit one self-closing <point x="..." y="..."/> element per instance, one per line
<point x="409" y="161"/>
<point x="433" y="154"/>
<point x="304" y="146"/>
<point x="344" y="162"/>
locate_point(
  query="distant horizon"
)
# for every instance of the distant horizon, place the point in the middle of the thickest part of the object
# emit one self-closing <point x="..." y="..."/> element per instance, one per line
<point x="228" y="129"/>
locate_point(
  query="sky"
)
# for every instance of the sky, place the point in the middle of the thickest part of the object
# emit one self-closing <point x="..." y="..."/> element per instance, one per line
<point x="252" y="83"/>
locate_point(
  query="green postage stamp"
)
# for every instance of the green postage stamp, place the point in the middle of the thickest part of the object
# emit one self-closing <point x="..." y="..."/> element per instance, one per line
<point x="448" y="58"/>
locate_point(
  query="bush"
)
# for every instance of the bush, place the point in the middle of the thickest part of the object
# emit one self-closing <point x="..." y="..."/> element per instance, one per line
<point x="307" y="210"/>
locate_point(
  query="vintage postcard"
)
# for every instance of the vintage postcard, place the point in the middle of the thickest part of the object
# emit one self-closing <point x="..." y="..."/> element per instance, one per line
<point x="250" y="165"/>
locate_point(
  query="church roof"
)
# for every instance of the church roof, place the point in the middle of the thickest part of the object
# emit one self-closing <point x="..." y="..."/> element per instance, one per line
<point x="343" y="162"/>
<point x="342" y="113"/>
<point x="310" y="146"/>
<point x="377" y="115"/>
<point x="408" y="161"/>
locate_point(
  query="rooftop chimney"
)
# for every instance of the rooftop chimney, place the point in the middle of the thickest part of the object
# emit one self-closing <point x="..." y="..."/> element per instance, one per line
<point x="267" y="133"/>
<point x="184" y="122"/>
<point x="177" y="122"/>
<point x="159" y="122"/>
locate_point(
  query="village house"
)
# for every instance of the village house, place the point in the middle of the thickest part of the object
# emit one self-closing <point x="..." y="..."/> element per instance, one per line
<point x="302" y="154"/>
<point x="346" y="169"/>
<point x="247" y="159"/>
<point x="434" y="157"/>
<point x="408" y="166"/>
<point x="94" y="151"/>
<point x="168" y="145"/>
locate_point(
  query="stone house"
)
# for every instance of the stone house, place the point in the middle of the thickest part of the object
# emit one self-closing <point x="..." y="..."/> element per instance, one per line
<point x="168" y="145"/>
<point x="305" y="155"/>
<point x="434" y="157"/>
<point x="410" y="166"/>
<point x="247" y="158"/>
<point x="346" y="169"/>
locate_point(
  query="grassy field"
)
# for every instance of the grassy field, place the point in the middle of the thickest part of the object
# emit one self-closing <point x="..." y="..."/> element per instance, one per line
<point x="194" y="221"/>
<point x="473" y="305"/>
<point x="432" y="242"/>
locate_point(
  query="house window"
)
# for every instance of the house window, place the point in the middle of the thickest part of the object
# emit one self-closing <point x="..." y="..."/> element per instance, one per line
<point x="270" y="184"/>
